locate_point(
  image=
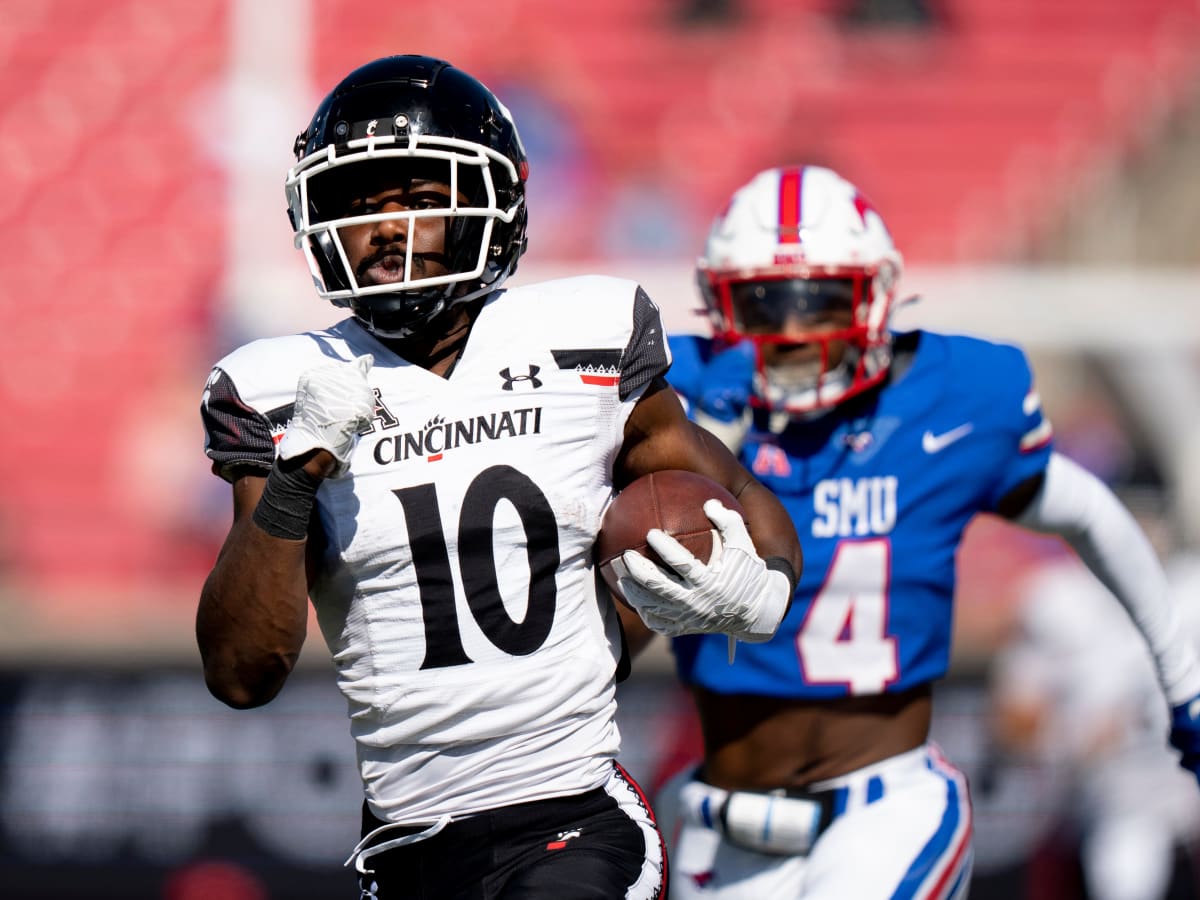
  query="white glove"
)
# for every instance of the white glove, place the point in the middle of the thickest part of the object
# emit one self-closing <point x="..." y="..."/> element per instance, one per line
<point x="333" y="403"/>
<point x="734" y="594"/>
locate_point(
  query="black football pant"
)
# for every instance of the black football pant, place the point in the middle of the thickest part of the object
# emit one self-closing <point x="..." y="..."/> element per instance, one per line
<point x="586" y="847"/>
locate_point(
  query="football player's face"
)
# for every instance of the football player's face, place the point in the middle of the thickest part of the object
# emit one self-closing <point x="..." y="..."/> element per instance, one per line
<point x="801" y="364"/>
<point x="797" y="313"/>
<point x="376" y="250"/>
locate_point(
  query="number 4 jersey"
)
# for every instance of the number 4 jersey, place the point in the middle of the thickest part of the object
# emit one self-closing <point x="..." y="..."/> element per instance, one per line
<point x="457" y="592"/>
<point x="881" y="489"/>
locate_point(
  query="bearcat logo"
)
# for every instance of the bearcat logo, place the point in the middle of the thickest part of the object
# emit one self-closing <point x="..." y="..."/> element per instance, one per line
<point x="438" y="436"/>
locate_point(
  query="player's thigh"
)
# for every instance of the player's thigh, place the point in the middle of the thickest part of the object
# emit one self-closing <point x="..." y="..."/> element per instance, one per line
<point x="447" y="869"/>
<point x="704" y="866"/>
<point x="608" y="856"/>
<point x="911" y="844"/>
<point x="581" y="874"/>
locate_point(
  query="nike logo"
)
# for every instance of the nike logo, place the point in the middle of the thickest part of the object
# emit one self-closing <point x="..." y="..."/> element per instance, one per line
<point x="936" y="443"/>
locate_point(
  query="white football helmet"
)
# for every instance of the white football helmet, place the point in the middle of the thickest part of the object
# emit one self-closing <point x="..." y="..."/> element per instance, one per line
<point x="802" y="265"/>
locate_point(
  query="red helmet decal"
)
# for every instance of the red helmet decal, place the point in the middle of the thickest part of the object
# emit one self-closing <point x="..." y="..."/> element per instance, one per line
<point x="863" y="205"/>
<point x="789" y="206"/>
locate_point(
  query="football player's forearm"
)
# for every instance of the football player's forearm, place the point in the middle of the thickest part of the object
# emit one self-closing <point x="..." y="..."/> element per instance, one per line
<point x="252" y="616"/>
<point x="771" y="528"/>
<point x="1076" y="505"/>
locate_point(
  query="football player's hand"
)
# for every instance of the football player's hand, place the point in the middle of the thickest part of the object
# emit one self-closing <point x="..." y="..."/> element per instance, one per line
<point x="1185" y="734"/>
<point x="734" y="593"/>
<point x="727" y="383"/>
<point x="333" y="403"/>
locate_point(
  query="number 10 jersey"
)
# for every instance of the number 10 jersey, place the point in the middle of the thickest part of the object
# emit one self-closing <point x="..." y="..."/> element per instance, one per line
<point x="457" y="592"/>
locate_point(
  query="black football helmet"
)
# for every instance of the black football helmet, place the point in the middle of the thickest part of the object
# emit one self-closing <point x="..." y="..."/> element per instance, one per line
<point x="407" y="111"/>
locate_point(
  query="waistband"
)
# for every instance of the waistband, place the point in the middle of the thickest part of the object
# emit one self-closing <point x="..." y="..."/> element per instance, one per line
<point x="500" y="818"/>
<point x="825" y="800"/>
<point x="379" y="836"/>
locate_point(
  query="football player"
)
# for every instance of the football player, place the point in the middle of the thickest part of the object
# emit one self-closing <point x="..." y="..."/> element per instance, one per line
<point x="432" y="471"/>
<point x="818" y="778"/>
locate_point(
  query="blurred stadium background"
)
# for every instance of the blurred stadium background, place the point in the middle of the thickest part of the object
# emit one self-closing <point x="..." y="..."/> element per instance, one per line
<point x="1035" y="160"/>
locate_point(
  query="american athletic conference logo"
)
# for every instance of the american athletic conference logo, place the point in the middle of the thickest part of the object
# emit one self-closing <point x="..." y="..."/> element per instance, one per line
<point x="510" y="379"/>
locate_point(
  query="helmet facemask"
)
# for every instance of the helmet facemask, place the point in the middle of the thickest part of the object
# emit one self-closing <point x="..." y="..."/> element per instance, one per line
<point x="484" y="191"/>
<point x="800" y="265"/>
<point x="384" y="124"/>
<point x="813" y="338"/>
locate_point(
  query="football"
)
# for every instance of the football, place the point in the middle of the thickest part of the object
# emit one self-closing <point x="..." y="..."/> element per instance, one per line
<point x="671" y="500"/>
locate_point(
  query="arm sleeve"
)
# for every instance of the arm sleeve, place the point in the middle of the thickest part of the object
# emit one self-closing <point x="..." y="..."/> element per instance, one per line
<point x="235" y="434"/>
<point x="647" y="355"/>
<point x="1076" y="505"/>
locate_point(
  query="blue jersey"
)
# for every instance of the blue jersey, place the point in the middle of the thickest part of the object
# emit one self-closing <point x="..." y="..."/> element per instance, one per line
<point x="881" y="489"/>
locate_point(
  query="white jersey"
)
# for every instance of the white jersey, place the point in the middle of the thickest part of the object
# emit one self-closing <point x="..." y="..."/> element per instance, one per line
<point x="458" y="592"/>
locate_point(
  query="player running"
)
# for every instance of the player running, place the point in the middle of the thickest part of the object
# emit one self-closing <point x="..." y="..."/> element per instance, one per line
<point x="819" y="779"/>
<point x="432" y="470"/>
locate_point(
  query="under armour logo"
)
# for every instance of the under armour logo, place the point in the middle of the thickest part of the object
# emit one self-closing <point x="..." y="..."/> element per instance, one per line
<point x="510" y="379"/>
<point x="563" y="837"/>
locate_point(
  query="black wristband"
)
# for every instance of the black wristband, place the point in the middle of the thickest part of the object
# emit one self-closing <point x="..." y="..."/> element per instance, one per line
<point x="779" y="564"/>
<point x="286" y="504"/>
